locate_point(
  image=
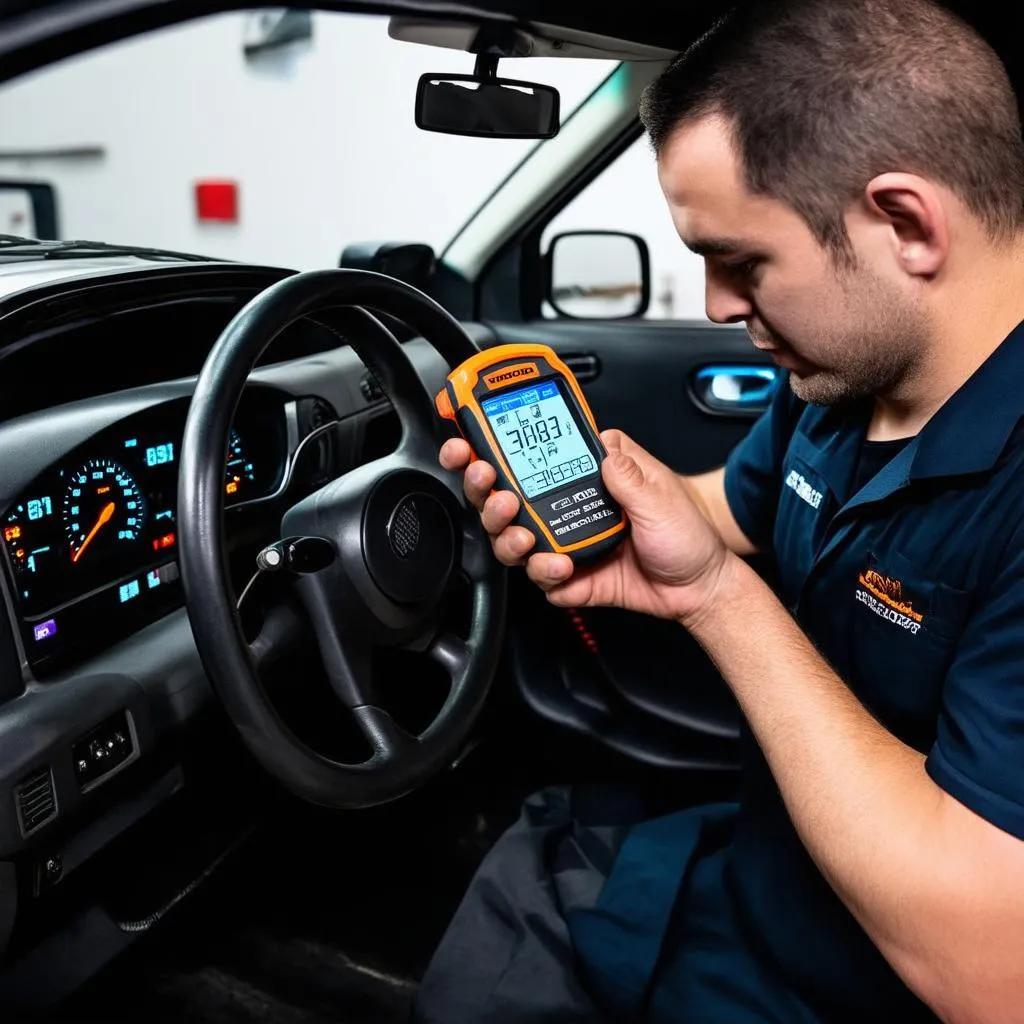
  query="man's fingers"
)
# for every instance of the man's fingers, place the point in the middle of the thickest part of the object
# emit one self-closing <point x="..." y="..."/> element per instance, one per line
<point x="498" y="511"/>
<point x="565" y="585"/>
<point x="511" y="546"/>
<point x="478" y="478"/>
<point x="638" y="481"/>
<point x="548" y="570"/>
<point x="477" y="482"/>
<point x="613" y="439"/>
<point x="455" y="454"/>
<point x="616" y="441"/>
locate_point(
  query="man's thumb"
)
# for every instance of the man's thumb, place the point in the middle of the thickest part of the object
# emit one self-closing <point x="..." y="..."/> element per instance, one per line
<point x="624" y="478"/>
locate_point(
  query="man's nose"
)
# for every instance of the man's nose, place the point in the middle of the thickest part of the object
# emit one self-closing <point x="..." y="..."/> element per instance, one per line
<point x="724" y="301"/>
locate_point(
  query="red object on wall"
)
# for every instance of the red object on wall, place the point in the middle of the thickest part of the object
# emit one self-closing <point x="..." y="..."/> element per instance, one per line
<point x="217" y="200"/>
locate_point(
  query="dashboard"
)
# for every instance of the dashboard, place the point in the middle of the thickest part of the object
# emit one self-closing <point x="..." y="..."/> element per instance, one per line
<point x="90" y="591"/>
<point x="104" y="699"/>
<point x="90" y="545"/>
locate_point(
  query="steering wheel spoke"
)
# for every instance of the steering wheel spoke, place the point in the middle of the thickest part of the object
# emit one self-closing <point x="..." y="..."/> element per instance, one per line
<point x="388" y="739"/>
<point x="345" y="653"/>
<point x="279" y="633"/>
<point x="476" y="553"/>
<point x="451" y="653"/>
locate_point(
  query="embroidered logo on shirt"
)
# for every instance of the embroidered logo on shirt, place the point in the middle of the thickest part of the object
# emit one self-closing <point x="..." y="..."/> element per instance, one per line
<point x="803" y="489"/>
<point x="884" y="596"/>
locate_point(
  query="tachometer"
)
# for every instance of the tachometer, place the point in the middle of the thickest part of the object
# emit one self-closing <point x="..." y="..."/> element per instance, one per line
<point x="103" y="509"/>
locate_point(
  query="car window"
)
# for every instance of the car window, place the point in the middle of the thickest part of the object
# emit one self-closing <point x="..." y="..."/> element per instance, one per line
<point x="216" y="137"/>
<point x="626" y="197"/>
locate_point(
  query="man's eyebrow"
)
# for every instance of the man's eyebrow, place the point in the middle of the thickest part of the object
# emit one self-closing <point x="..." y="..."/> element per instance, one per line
<point x="715" y="246"/>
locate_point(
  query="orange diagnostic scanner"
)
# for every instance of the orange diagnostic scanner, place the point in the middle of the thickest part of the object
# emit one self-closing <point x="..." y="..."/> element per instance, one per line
<point x="522" y="410"/>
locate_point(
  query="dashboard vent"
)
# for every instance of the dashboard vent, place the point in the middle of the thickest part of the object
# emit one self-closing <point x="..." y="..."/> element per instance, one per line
<point x="36" y="801"/>
<point x="584" y="365"/>
<point x="317" y="414"/>
<point x="371" y="388"/>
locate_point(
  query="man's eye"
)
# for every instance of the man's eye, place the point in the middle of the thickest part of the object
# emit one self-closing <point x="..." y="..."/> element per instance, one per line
<point x="742" y="268"/>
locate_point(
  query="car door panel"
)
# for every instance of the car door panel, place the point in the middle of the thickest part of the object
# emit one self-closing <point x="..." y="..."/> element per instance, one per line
<point x="688" y="392"/>
<point x="571" y="682"/>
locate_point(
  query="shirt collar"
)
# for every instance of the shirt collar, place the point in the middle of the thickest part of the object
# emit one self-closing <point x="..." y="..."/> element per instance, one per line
<point x="970" y="431"/>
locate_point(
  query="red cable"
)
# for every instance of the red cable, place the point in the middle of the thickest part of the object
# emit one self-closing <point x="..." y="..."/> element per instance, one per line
<point x="581" y="627"/>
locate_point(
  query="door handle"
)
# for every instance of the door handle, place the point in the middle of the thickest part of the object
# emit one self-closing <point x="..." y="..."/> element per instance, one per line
<point x="584" y="365"/>
<point x="738" y="389"/>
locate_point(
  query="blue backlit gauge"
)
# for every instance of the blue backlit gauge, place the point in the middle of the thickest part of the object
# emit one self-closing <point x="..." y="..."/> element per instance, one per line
<point x="103" y="510"/>
<point x="240" y="473"/>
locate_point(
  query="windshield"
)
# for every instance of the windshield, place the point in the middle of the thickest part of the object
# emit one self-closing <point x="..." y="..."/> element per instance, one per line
<point x="266" y="137"/>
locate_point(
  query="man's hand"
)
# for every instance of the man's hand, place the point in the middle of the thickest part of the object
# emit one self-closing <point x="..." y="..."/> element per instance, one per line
<point x="670" y="566"/>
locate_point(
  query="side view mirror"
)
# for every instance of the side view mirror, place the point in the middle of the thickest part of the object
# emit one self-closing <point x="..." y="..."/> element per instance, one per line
<point x="598" y="275"/>
<point x="483" y="105"/>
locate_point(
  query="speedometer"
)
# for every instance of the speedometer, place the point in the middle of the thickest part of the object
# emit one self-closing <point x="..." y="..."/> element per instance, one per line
<point x="103" y="509"/>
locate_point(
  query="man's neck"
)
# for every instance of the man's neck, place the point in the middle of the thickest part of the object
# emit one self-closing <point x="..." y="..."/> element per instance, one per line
<point x="973" y="325"/>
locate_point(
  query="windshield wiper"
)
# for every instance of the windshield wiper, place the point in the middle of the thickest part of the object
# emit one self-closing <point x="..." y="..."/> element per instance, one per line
<point x="14" y="247"/>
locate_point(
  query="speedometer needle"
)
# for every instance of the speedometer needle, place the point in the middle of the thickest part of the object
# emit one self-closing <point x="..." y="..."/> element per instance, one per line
<point x="108" y="511"/>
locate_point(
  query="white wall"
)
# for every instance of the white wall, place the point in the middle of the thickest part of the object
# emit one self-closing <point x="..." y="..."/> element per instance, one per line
<point x="320" y="139"/>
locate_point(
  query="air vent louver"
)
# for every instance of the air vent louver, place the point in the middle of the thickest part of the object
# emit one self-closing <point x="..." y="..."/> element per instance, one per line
<point x="370" y="387"/>
<point x="319" y="454"/>
<point x="319" y="414"/>
<point x="36" y="801"/>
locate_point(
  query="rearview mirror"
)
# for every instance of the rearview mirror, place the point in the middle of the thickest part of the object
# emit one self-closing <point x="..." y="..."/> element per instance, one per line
<point x="497" y="108"/>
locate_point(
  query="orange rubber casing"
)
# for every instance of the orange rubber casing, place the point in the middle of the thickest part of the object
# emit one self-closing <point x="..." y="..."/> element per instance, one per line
<point x="508" y="367"/>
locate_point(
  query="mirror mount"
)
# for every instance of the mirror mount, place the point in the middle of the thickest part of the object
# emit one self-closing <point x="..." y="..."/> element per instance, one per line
<point x="486" y="67"/>
<point x="497" y="41"/>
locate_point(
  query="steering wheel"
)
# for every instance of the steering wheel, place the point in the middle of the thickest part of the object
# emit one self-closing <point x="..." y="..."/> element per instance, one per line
<point x="400" y="531"/>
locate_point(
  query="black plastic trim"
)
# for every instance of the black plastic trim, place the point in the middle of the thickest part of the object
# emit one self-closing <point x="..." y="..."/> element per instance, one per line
<point x="39" y="730"/>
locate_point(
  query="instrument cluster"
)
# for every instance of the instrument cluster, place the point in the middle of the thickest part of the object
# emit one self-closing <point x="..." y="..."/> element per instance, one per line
<point x="93" y="541"/>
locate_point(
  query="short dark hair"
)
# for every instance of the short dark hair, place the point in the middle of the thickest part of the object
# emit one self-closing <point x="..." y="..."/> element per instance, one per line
<point x="823" y="95"/>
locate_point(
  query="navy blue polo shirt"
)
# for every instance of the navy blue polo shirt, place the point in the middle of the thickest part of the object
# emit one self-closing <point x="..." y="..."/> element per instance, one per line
<point x="912" y="588"/>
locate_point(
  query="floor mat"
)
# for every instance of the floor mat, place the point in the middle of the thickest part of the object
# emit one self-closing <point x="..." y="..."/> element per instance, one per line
<point x="257" y="978"/>
<point x="319" y="919"/>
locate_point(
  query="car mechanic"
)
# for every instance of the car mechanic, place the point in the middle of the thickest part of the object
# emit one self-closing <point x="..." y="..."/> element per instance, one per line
<point x="852" y="172"/>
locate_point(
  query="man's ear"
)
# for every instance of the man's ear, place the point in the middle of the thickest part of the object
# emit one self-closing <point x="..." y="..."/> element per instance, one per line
<point x="912" y="207"/>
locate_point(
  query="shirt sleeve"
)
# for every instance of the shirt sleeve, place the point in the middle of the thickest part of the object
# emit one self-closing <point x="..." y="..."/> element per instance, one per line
<point x="979" y="748"/>
<point x="753" y="471"/>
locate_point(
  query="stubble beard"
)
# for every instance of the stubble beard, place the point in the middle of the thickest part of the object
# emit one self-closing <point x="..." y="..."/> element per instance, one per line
<point x="879" y="357"/>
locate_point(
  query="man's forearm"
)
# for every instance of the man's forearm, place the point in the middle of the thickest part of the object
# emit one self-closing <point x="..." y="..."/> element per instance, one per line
<point x="889" y="841"/>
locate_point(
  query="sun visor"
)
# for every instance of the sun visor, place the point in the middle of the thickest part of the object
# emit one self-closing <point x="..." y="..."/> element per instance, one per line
<point x="530" y="40"/>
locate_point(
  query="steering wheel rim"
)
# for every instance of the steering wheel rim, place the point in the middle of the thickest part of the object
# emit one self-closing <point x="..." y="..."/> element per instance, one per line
<point x="399" y="593"/>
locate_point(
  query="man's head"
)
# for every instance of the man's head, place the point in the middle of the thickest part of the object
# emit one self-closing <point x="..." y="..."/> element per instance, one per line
<point x="838" y="163"/>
